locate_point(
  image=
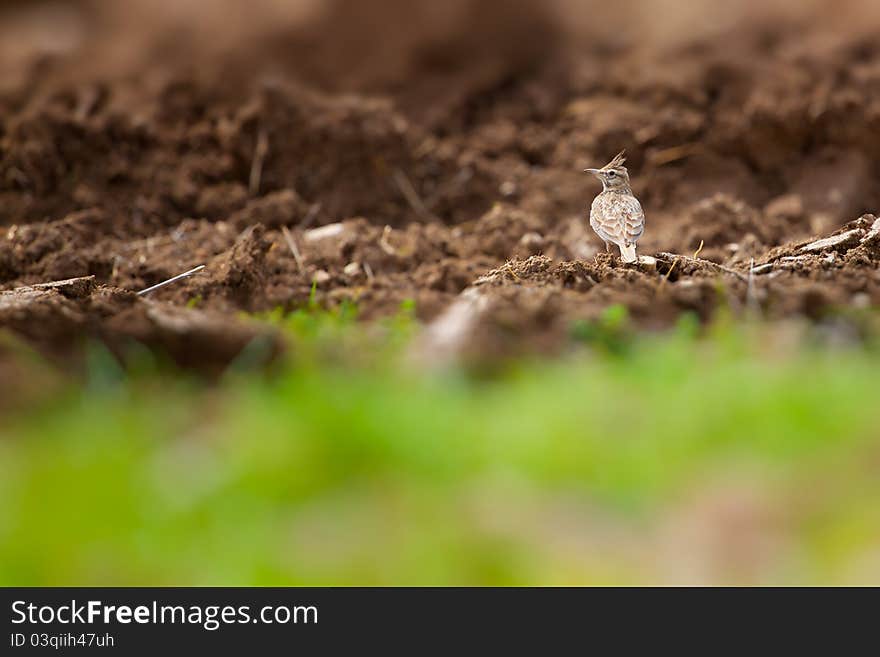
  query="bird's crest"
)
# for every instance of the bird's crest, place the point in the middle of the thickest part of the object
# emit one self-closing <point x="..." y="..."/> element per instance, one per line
<point x="617" y="162"/>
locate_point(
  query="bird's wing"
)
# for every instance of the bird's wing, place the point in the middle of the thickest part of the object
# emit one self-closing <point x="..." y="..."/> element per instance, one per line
<point x="633" y="220"/>
<point x="618" y="218"/>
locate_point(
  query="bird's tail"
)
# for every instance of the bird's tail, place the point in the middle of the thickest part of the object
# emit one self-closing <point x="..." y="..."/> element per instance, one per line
<point x="628" y="252"/>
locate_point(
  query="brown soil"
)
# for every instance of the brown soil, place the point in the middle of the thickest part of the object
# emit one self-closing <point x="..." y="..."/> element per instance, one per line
<point x="413" y="148"/>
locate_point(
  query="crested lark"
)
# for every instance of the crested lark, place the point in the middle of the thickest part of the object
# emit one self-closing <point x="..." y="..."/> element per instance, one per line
<point x="616" y="214"/>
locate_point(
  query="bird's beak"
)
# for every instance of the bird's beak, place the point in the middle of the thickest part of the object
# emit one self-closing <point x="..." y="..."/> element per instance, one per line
<point x="595" y="172"/>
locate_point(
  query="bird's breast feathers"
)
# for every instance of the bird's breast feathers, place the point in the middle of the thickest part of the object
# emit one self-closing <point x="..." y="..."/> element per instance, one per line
<point x="617" y="217"/>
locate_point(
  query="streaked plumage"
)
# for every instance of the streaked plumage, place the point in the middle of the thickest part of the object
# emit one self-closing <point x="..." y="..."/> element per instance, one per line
<point x="616" y="215"/>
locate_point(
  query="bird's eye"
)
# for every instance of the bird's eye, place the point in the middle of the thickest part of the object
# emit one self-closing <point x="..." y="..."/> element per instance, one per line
<point x="612" y="173"/>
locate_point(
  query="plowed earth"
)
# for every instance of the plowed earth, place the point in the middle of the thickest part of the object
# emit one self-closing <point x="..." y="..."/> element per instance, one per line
<point x="439" y="163"/>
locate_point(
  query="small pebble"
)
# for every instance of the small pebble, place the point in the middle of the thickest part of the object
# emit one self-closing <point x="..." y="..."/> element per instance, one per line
<point x="532" y="241"/>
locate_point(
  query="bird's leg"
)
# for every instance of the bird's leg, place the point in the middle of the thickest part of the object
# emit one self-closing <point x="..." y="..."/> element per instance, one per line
<point x="607" y="247"/>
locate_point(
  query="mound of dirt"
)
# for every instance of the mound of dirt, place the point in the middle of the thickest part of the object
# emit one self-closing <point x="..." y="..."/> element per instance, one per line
<point x="58" y="317"/>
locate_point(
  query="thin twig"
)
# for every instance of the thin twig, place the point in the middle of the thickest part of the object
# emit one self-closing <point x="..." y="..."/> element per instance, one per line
<point x="669" y="273"/>
<point x="707" y="263"/>
<point x="508" y="268"/>
<point x="369" y="271"/>
<point x="171" y="280"/>
<point x="314" y="209"/>
<point x="699" y="250"/>
<point x="786" y="263"/>
<point x="260" y="151"/>
<point x="288" y="237"/>
<point x="409" y="193"/>
<point x="673" y="153"/>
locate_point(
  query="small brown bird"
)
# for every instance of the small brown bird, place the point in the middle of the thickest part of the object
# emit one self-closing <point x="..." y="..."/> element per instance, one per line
<point x="616" y="215"/>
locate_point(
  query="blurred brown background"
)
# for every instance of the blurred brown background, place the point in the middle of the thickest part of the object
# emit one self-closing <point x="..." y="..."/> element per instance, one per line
<point x="386" y="45"/>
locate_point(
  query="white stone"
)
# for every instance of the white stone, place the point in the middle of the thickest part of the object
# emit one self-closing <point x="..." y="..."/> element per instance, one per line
<point x="330" y="230"/>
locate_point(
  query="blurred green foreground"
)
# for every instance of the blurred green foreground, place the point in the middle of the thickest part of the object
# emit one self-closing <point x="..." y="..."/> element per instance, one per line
<point x="741" y="456"/>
